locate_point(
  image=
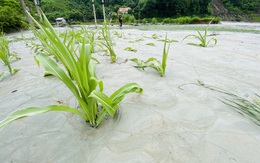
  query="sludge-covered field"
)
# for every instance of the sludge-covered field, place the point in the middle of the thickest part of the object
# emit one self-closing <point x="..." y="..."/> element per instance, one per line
<point x="176" y="118"/>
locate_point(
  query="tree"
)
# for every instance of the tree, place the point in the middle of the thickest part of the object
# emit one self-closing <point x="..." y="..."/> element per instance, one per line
<point x="11" y="17"/>
<point x="25" y="12"/>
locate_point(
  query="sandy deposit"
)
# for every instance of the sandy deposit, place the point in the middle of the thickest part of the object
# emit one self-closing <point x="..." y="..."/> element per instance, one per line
<point x="174" y="120"/>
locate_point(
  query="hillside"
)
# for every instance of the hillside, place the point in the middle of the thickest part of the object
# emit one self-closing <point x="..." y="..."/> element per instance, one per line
<point x="234" y="11"/>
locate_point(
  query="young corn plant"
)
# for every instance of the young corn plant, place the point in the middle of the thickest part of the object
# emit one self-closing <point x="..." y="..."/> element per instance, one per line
<point x="155" y="36"/>
<point x="119" y="35"/>
<point x="83" y="34"/>
<point x="105" y="33"/>
<point x="94" y="105"/>
<point x="150" y="44"/>
<point x="6" y="56"/>
<point x="204" y="42"/>
<point x="160" y="66"/>
<point x="130" y="49"/>
<point x="249" y="108"/>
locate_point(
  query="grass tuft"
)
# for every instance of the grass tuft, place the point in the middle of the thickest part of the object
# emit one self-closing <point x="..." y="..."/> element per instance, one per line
<point x="250" y="108"/>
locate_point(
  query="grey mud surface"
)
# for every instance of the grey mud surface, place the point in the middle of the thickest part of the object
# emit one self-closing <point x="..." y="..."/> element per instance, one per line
<point x="174" y="120"/>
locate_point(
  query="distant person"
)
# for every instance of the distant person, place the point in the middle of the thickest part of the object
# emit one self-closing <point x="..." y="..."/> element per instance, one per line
<point x="120" y="18"/>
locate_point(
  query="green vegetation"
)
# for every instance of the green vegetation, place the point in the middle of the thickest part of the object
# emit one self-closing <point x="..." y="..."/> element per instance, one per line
<point x="119" y="35"/>
<point x="142" y="11"/>
<point x="153" y="62"/>
<point x="81" y="79"/>
<point x="180" y="20"/>
<point x="129" y="19"/>
<point x="195" y="27"/>
<point x="150" y="44"/>
<point x="130" y="49"/>
<point x="155" y="36"/>
<point x="192" y="20"/>
<point x="245" y="6"/>
<point x="11" y="17"/>
<point x="255" y="18"/>
<point x="202" y="38"/>
<point x="249" y="108"/>
<point x="83" y="35"/>
<point x="154" y="21"/>
<point x="106" y="36"/>
<point x="6" y="56"/>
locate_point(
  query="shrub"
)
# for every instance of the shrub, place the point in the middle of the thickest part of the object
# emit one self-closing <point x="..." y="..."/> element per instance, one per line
<point x="144" y="21"/>
<point x="11" y="17"/>
<point x="129" y="19"/>
<point x="195" y="19"/>
<point x="167" y="20"/>
<point x="154" y="21"/>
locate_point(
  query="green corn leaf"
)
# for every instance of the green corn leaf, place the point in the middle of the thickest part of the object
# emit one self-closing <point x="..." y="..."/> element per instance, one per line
<point x="94" y="82"/>
<point x="191" y="35"/>
<point x="2" y="75"/>
<point x="35" y="110"/>
<point x="16" y="70"/>
<point x="118" y="95"/>
<point x="165" y="55"/>
<point x="55" y="44"/>
<point x="95" y="59"/>
<point x="55" y="70"/>
<point x="215" y="41"/>
<point x="140" y="63"/>
<point x="130" y="49"/>
<point x="150" y="44"/>
<point x="155" y="36"/>
<point x="151" y="60"/>
<point x="101" y="116"/>
<point x="105" y="101"/>
<point x="83" y="70"/>
<point x="194" y="44"/>
<point x="201" y="39"/>
<point x="134" y="60"/>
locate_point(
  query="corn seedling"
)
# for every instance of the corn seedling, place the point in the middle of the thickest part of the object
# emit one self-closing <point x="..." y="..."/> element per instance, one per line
<point x="16" y="39"/>
<point x="119" y="35"/>
<point x="150" y="44"/>
<point x="130" y="49"/>
<point x="249" y="108"/>
<point x="168" y="40"/>
<point x="83" y="34"/>
<point x="155" y="36"/>
<point x="94" y="105"/>
<point x="30" y="42"/>
<point x="202" y="38"/>
<point x="6" y="55"/>
<point x="153" y="62"/>
<point x="139" y="40"/>
<point x="105" y="33"/>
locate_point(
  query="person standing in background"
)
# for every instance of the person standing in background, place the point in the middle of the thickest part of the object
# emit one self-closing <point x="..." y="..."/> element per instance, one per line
<point x="120" y="19"/>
